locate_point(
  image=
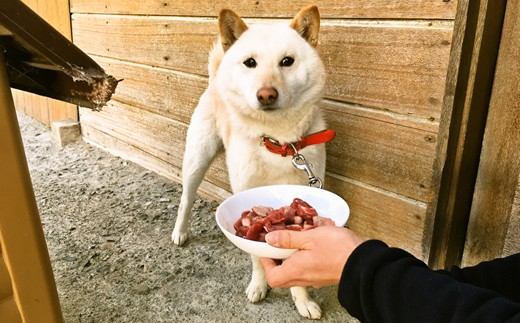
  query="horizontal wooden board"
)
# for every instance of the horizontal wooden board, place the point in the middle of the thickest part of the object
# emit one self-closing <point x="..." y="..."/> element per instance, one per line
<point x="374" y="212"/>
<point x="175" y="43"/>
<point x="107" y="141"/>
<point x="168" y="93"/>
<point x="388" y="9"/>
<point x="371" y="146"/>
<point x="380" y="153"/>
<point x="158" y="136"/>
<point x="126" y="151"/>
<point x="377" y="214"/>
<point x="175" y="94"/>
<point x="393" y="66"/>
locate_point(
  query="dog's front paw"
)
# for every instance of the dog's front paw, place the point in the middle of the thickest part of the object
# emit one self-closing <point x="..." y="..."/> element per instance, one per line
<point x="178" y="237"/>
<point x="308" y="308"/>
<point x="256" y="291"/>
<point x="304" y="303"/>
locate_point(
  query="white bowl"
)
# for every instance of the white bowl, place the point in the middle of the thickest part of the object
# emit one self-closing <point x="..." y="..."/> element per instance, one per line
<point x="326" y="203"/>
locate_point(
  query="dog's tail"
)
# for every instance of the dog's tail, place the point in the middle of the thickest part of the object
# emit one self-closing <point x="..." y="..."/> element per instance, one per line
<point x="215" y="57"/>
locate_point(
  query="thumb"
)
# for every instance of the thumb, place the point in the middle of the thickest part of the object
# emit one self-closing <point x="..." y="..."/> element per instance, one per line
<point x="286" y="239"/>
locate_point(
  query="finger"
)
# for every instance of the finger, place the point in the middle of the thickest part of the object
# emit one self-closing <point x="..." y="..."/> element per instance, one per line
<point x="268" y="264"/>
<point x="274" y="274"/>
<point x="287" y="239"/>
<point x="270" y="267"/>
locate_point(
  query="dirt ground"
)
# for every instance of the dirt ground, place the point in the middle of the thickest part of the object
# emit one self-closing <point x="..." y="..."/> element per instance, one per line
<point x="107" y="223"/>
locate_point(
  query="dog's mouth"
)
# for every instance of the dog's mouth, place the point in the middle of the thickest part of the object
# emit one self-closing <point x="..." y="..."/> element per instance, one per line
<point x="268" y="108"/>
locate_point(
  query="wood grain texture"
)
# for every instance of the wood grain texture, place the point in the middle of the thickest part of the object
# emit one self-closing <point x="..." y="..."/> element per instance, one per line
<point x="512" y="239"/>
<point x="163" y="139"/>
<point x="387" y="9"/>
<point x="382" y="153"/>
<point x="393" y="66"/>
<point x="160" y="137"/>
<point x="377" y="214"/>
<point x="167" y="93"/>
<point x="175" y="43"/>
<point x="398" y="67"/>
<point x="477" y="37"/>
<point x="499" y="169"/>
<point x="45" y="110"/>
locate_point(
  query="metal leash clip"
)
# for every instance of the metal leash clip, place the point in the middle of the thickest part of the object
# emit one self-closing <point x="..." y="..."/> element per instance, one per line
<point x="299" y="162"/>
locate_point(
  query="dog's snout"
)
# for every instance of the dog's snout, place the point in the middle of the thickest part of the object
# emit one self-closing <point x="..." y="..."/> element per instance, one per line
<point x="267" y="95"/>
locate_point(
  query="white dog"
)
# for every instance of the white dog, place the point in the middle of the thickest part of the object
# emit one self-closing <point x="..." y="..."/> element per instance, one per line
<point x="265" y="84"/>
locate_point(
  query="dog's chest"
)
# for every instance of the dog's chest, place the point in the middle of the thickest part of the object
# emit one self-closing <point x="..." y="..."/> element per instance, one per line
<point x="250" y="164"/>
<point x="255" y="154"/>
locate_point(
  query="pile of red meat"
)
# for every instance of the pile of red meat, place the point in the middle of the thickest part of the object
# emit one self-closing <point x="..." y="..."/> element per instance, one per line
<point x="254" y="224"/>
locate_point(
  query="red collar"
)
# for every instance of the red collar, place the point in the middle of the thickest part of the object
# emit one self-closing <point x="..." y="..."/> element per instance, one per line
<point x="285" y="149"/>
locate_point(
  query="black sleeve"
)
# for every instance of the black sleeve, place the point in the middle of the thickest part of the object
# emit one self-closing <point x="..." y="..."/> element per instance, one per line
<point x="501" y="275"/>
<point x="382" y="284"/>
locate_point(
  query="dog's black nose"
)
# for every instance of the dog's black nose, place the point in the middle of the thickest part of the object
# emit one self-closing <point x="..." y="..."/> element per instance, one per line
<point x="267" y="95"/>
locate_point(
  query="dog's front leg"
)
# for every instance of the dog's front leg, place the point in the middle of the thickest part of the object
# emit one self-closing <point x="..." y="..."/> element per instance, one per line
<point x="306" y="306"/>
<point x="202" y="145"/>
<point x="257" y="289"/>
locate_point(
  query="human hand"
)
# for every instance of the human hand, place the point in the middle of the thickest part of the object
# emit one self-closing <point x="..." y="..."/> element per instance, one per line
<point x="322" y="253"/>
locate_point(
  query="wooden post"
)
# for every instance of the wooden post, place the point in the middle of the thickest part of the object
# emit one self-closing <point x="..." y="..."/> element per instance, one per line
<point x="495" y="209"/>
<point x="468" y="91"/>
<point x="22" y="241"/>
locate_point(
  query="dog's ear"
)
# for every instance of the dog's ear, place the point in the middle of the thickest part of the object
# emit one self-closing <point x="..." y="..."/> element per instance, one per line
<point x="231" y="27"/>
<point x="307" y="24"/>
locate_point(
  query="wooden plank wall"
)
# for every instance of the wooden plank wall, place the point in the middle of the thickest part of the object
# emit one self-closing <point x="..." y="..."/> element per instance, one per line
<point x="46" y="110"/>
<point x="386" y="62"/>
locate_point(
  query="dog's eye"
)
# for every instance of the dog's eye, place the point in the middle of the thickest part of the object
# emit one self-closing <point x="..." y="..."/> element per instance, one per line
<point x="250" y="62"/>
<point x="287" y="61"/>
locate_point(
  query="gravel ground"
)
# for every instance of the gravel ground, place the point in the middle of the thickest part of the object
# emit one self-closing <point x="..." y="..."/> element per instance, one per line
<point x="108" y="221"/>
